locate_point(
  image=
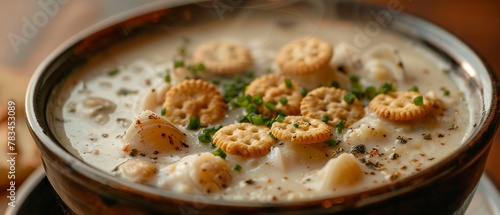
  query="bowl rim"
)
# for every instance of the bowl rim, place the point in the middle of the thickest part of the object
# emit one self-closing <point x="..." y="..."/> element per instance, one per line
<point x="481" y="138"/>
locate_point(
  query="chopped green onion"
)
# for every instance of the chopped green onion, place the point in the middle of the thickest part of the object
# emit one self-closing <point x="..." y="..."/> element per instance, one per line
<point x="125" y="91"/>
<point x="205" y="138"/>
<point x="206" y="134"/>
<point x="370" y="92"/>
<point x="325" y="118"/>
<point x="280" y="118"/>
<point x="349" y="98"/>
<point x="357" y="90"/>
<point x="257" y="120"/>
<point x="335" y="84"/>
<point x="163" y="111"/>
<point x="194" y="123"/>
<point x="220" y="153"/>
<point x="386" y="88"/>
<point x="303" y="91"/>
<point x="270" y="105"/>
<point x="354" y="79"/>
<point x="181" y="50"/>
<point x="201" y="67"/>
<point x="113" y="72"/>
<point x="233" y="89"/>
<point x="178" y="63"/>
<point x="295" y="124"/>
<point x="237" y="167"/>
<point x="272" y="135"/>
<point x="257" y="99"/>
<point x="340" y="126"/>
<point x="284" y="101"/>
<point x="419" y="100"/>
<point x="332" y="142"/>
<point x="446" y="92"/>
<point x="288" y="82"/>
<point x="414" y="89"/>
<point x="167" y="77"/>
<point x="251" y="108"/>
<point x="250" y="74"/>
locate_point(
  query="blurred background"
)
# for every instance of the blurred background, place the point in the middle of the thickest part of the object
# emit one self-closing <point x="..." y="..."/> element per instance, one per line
<point x="30" y="30"/>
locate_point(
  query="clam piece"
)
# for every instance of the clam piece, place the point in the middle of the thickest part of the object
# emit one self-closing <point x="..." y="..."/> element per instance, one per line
<point x="382" y="63"/>
<point x="346" y="58"/>
<point x="343" y="171"/>
<point x="151" y="134"/>
<point x="97" y="108"/>
<point x="197" y="173"/>
<point x="136" y="170"/>
<point x="154" y="98"/>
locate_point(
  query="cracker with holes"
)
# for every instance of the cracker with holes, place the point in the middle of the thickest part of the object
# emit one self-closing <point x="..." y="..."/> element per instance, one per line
<point x="304" y="56"/>
<point x="283" y="93"/>
<point x="329" y="101"/>
<point x="244" y="139"/>
<point x="400" y="105"/>
<point x="223" y="58"/>
<point x="301" y="130"/>
<point x="196" y="98"/>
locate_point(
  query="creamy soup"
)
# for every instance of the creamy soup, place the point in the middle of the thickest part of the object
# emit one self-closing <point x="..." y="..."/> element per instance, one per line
<point x="96" y="107"/>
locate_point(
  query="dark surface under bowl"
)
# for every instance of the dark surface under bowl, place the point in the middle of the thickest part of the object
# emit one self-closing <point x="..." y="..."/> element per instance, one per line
<point x="445" y="188"/>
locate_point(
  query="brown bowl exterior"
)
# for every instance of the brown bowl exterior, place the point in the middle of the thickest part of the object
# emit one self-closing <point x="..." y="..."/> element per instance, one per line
<point x="445" y="188"/>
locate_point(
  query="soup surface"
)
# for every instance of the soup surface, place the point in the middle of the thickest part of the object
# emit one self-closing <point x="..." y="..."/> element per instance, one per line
<point x="107" y="112"/>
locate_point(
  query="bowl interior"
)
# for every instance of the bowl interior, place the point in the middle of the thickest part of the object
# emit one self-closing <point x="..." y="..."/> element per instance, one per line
<point x="468" y="71"/>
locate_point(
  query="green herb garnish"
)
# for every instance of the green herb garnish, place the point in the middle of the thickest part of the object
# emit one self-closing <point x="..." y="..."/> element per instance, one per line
<point x="113" y="72"/>
<point x="206" y="135"/>
<point x="280" y="118"/>
<point x="237" y="167"/>
<point x="303" y="91"/>
<point x="163" y="111"/>
<point x="125" y="91"/>
<point x="349" y="98"/>
<point x="194" y="123"/>
<point x="335" y="84"/>
<point x="354" y="79"/>
<point x="357" y="90"/>
<point x="220" y="153"/>
<point x="340" y="126"/>
<point x="332" y="142"/>
<point x="257" y="120"/>
<point x="257" y="99"/>
<point x="419" y="100"/>
<point x="288" y="82"/>
<point x="167" y="77"/>
<point x="178" y="63"/>
<point x="370" y="92"/>
<point x="386" y="88"/>
<point x="414" y="89"/>
<point x="272" y="135"/>
<point x="270" y="105"/>
<point x="295" y="124"/>
<point x="325" y="118"/>
<point x="284" y="101"/>
<point x="446" y="92"/>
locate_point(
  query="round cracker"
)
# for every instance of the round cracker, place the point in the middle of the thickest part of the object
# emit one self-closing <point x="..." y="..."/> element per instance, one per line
<point x="301" y="130"/>
<point x="244" y="139"/>
<point x="400" y="105"/>
<point x="222" y="58"/>
<point x="273" y="88"/>
<point x="194" y="98"/>
<point x="329" y="101"/>
<point x="304" y="56"/>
